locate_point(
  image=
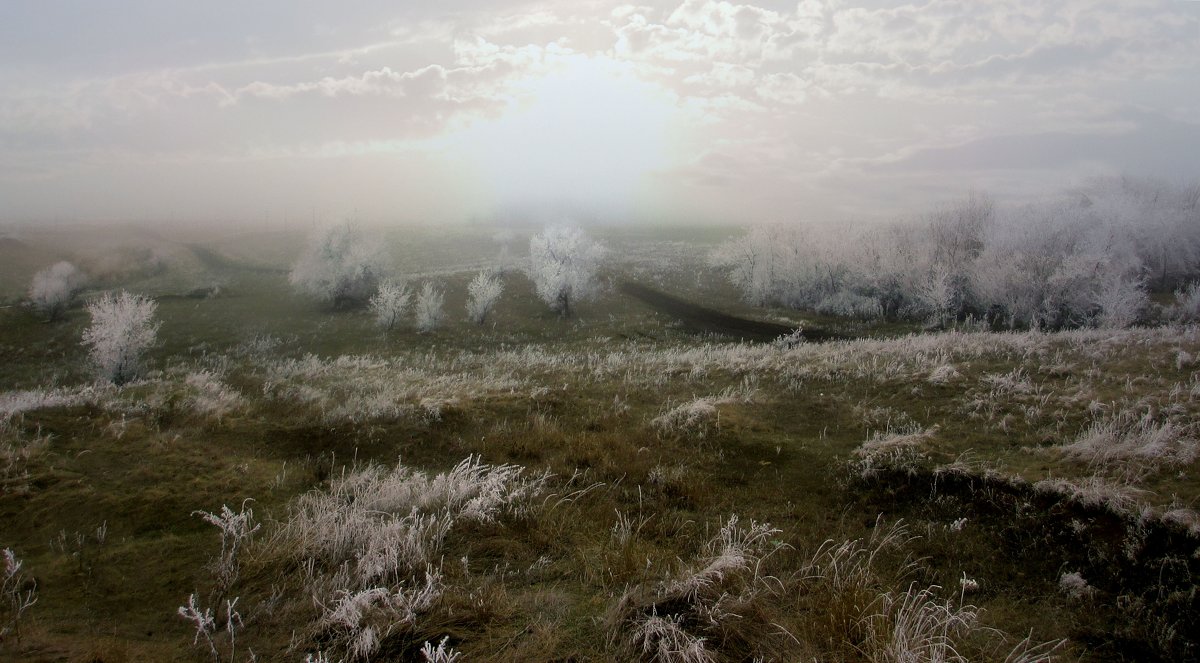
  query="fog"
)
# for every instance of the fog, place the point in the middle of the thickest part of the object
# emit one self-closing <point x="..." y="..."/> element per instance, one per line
<point x="693" y="111"/>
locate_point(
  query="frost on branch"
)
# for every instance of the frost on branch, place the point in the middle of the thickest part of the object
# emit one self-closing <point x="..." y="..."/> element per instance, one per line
<point x="429" y="313"/>
<point x="389" y="304"/>
<point x="340" y="267"/>
<point x="482" y="293"/>
<point x="122" y="329"/>
<point x="53" y="288"/>
<point x="562" y="264"/>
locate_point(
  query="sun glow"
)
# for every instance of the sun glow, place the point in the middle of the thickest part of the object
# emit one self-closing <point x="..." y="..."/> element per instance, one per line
<point x="586" y="131"/>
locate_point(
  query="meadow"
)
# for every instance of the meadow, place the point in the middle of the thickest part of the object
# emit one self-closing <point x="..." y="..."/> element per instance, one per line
<point x="287" y="482"/>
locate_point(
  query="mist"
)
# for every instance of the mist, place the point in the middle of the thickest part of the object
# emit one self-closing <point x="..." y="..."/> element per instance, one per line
<point x="697" y="111"/>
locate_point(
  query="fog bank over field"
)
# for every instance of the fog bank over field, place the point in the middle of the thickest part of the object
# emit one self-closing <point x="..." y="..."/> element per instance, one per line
<point x="680" y="110"/>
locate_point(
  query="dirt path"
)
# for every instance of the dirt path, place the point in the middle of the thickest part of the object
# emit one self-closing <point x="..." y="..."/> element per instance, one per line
<point x="220" y="262"/>
<point x="706" y="320"/>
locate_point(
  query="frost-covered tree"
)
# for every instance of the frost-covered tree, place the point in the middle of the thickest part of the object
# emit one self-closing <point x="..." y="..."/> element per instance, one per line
<point x="341" y="266"/>
<point x="1120" y="301"/>
<point x="1084" y="258"/>
<point x="429" y="313"/>
<point x="389" y="303"/>
<point x="562" y="264"/>
<point x="53" y="288"/>
<point x="482" y="293"/>
<point x="122" y="328"/>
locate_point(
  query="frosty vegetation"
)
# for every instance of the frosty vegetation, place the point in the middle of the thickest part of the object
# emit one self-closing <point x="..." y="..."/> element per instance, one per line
<point x="371" y="544"/>
<point x="389" y="304"/>
<point x="1085" y="259"/>
<point x="17" y="595"/>
<point x="482" y="294"/>
<point x="562" y="264"/>
<point x="340" y="267"/>
<point x="53" y="288"/>
<point x="428" y="310"/>
<point x="122" y="328"/>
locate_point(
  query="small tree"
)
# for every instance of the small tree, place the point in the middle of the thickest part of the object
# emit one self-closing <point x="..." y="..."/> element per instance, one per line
<point x="53" y="288"/>
<point x="340" y="266"/>
<point x="389" y="303"/>
<point x="429" y="312"/>
<point x="482" y="293"/>
<point x="562" y="264"/>
<point x="122" y="329"/>
<point x="1121" y="301"/>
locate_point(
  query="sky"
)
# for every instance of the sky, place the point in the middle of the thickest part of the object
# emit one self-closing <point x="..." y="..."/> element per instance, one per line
<point x="678" y="111"/>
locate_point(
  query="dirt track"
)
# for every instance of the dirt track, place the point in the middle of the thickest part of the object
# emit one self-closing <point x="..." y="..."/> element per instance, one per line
<point x="706" y="320"/>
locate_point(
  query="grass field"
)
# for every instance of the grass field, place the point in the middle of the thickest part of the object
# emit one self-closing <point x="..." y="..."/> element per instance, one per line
<point x="608" y="486"/>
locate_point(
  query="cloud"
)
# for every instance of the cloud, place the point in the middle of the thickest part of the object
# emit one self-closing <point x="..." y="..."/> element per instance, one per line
<point x="782" y="102"/>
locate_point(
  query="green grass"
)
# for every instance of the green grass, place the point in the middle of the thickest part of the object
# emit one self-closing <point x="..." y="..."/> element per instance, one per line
<point x="541" y="587"/>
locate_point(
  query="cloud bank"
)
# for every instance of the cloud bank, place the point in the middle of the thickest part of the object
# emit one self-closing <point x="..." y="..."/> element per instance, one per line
<point x="696" y="110"/>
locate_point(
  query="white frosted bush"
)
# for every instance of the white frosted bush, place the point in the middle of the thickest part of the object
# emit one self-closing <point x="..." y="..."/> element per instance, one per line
<point x="340" y="266"/>
<point x="53" y="288"/>
<point x="389" y="303"/>
<point x="122" y="328"/>
<point x="943" y="374"/>
<point x="663" y="640"/>
<point x="1135" y="443"/>
<point x="428" y="310"/>
<point x="1063" y="262"/>
<point x="1073" y="585"/>
<point x="482" y="294"/>
<point x="693" y="418"/>
<point x="562" y="264"/>
<point x="1187" y="303"/>
<point x="1121" y="301"/>
<point x="372" y="542"/>
<point x="850" y="305"/>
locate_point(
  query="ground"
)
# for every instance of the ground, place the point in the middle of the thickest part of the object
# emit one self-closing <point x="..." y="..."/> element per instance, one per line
<point x="632" y="489"/>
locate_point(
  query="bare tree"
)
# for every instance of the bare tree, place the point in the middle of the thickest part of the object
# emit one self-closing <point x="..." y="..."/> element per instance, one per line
<point x="562" y="264"/>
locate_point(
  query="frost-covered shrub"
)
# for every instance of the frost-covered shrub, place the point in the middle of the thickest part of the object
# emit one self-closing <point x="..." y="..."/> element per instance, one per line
<point x="340" y="266"/>
<point x="428" y="310"/>
<point x="389" y="303"/>
<point x="850" y="305"/>
<point x="482" y="294"/>
<point x="706" y="597"/>
<point x="390" y="523"/>
<point x="1121" y="301"/>
<point x="122" y="328"/>
<point x="16" y="596"/>
<point x="1073" y="585"/>
<point x="943" y="374"/>
<point x="371" y="543"/>
<point x="693" y="418"/>
<point x="209" y="396"/>
<point x="1133" y="444"/>
<point x="53" y="288"/>
<point x="1081" y="259"/>
<point x="563" y="262"/>
<point x="1187" y="303"/>
<point x="664" y="640"/>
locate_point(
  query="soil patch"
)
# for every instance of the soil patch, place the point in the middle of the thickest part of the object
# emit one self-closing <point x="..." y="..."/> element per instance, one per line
<point x="701" y="319"/>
